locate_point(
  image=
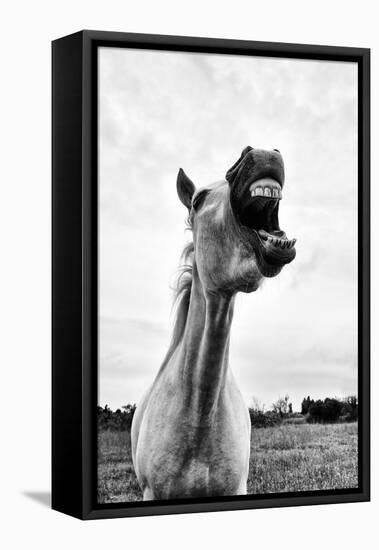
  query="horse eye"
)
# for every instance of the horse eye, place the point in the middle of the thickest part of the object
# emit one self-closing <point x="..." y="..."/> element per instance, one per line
<point x="199" y="199"/>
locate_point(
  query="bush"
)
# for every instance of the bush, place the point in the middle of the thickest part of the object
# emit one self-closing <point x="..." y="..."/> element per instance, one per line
<point x="306" y="404"/>
<point x="115" y="420"/>
<point x="328" y="410"/>
<point x="260" y="419"/>
<point x="350" y="409"/>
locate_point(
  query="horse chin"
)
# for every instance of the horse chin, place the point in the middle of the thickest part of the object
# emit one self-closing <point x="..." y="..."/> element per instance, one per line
<point x="267" y="270"/>
<point x="264" y="262"/>
<point x="270" y="257"/>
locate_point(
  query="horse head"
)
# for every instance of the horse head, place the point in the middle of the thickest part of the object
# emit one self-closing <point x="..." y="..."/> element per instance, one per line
<point x="235" y="222"/>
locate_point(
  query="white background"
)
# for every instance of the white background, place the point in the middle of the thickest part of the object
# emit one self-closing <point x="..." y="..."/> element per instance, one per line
<point x="27" y="29"/>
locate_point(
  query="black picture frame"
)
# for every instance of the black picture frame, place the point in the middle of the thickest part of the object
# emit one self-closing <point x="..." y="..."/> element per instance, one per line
<point x="74" y="271"/>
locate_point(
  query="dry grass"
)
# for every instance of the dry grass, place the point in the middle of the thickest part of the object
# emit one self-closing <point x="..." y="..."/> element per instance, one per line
<point x="291" y="457"/>
<point x="303" y="457"/>
<point x="117" y="481"/>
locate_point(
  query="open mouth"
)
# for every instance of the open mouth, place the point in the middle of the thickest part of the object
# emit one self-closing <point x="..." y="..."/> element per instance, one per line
<point x="258" y="211"/>
<point x="256" y="191"/>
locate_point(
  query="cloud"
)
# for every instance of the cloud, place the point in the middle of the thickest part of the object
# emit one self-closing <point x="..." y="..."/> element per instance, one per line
<point x="130" y="352"/>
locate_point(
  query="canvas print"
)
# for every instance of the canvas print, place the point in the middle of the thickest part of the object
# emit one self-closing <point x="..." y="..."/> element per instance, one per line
<point x="228" y="275"/>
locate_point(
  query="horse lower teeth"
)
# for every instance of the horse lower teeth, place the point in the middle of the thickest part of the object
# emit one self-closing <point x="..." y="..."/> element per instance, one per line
<point x="279" y="243"/>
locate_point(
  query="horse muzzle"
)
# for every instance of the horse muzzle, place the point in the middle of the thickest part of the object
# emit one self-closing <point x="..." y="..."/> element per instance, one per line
<point x="256" y="184"/>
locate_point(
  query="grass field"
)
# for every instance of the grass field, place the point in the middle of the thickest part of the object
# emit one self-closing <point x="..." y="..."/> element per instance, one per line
<point x="290" y="457"/>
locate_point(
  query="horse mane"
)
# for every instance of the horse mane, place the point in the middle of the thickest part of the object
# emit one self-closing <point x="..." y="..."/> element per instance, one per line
<point x="182" y="295"/>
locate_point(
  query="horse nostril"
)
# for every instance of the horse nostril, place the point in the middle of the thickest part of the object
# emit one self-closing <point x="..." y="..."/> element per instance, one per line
<point x="277" y="150"/>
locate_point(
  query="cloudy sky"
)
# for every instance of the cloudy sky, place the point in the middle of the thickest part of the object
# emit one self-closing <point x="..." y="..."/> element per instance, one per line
<point x="160" y="111"/>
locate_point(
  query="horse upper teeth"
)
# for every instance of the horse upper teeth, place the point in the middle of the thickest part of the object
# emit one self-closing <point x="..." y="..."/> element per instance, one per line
<point x="266" y="187"/>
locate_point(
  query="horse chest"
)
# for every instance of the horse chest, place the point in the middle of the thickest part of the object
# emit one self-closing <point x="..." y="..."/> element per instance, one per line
<point x="195" y="462"/>
<point x="197" y="476"/>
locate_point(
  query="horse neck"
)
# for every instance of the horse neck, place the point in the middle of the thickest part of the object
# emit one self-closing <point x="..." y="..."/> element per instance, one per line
<point x="204" y="349"/>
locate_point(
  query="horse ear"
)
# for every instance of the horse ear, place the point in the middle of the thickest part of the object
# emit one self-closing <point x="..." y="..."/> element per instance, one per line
<point x="185" y="188"/>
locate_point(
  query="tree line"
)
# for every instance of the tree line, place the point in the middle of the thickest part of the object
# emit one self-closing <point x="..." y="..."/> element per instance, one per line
<point x="330" y="409"/>
<point x="312" y="411"/>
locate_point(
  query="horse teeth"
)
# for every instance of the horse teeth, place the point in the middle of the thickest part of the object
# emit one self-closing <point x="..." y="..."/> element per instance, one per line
<point x="266" y="187"/>
<point x="276" y="241"/>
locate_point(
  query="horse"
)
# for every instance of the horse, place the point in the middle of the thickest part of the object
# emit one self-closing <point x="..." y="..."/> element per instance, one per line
<point x="191" y="431"/>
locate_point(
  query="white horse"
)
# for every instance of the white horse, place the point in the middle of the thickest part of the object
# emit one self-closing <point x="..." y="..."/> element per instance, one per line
<point x="191" y="432"/>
